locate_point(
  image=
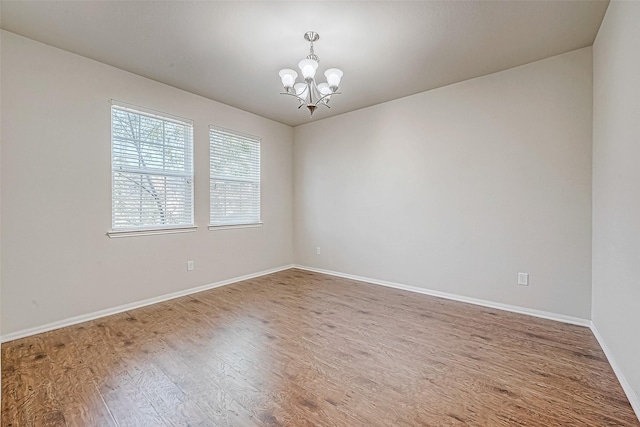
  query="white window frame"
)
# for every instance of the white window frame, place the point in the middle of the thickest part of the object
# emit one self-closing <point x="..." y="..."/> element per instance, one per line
<point x="188" y="174"/>
<point x="225" y="225"/>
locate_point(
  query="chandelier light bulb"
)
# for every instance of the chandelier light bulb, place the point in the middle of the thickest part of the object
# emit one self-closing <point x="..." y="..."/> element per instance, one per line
<point x="333" y="75"/>
<point x="308" y="68"/>
<point x="301" y="89"/>
<point x="325" y="93"/>
<point x="324" y="89"/>
<point x="288" y="77"/>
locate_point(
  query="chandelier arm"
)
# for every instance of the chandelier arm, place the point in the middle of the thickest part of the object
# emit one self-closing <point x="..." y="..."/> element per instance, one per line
<point x="304" y="101"/>
<point x="326" y="96"/>
<point x="295" y="96"/>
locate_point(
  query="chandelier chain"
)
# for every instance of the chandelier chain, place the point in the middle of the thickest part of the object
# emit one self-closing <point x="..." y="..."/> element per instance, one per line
<point x="312" y="54"/>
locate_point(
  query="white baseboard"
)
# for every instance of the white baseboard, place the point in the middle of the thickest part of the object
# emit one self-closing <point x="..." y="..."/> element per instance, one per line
<point x="626" y="386"/>
<point x="506" y="307"/>
<point x="631" y="395"/>
<point x="131" y="306"/>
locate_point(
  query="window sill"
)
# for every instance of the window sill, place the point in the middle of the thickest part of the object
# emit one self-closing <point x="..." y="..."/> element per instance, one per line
<point x="114" y="234"/>
<point x="232" y="226"/>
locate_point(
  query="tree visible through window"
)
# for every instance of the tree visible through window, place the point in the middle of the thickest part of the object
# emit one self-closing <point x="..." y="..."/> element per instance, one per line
<point x="152" y="170"/>
<point x="235" y="178"/>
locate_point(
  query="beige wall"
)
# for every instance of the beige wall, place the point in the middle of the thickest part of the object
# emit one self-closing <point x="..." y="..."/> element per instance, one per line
<point x="616" y="187"/>
<point x="56" y="192"/>
<point x="456" y="189"/>
<point x="460" y="188"/>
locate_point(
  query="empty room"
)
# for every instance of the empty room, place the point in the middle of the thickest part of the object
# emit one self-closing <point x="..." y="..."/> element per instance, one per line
<point x="320" y="213"/>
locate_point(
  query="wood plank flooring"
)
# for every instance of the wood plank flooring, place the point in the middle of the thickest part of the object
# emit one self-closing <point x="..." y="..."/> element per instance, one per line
<point x="303" y="349"/>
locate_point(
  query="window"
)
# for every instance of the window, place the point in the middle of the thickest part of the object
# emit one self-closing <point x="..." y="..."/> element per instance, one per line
<point x="152" y="171"/>
<point x="235" y="178"/>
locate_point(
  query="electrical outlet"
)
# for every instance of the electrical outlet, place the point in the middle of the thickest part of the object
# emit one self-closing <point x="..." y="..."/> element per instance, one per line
<point x="189" y="265"/>
<point x="523" y="279"/>
<point x="318" y="250"/>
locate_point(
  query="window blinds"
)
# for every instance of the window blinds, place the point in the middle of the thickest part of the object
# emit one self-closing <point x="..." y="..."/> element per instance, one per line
<point x="152" y="170"/>
<point x="234" y="178"/>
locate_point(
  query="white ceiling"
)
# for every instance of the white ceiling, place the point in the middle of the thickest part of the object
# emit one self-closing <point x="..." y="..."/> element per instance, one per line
<point x="232" y="51"/>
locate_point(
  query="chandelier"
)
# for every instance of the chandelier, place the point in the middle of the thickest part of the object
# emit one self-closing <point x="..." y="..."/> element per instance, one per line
<point x="309" y="93"/>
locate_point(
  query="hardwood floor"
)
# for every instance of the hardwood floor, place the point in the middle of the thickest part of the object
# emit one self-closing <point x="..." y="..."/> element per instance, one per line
<point x="303" y="349"/>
